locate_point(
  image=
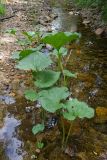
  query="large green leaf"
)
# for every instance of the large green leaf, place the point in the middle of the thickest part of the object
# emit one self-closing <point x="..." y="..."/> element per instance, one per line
<point x="21" y="54"/>
<point x="46" y="78"/>
<point x="50" y="99"/>
<point x="78" y="109"/>
<point x="57" y="40"/>
<point x="38" y="128"/>
<point x="24" y="53"/>
<point x="36" y="61"/>
<point x="31" y="95"/>
<point x="49" y="105"/>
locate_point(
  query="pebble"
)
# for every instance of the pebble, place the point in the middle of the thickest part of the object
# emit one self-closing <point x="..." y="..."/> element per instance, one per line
<point x="1" y="56"/>
<point x="71" y="13"/>
<point x="101" y="115"/>
<point x="99" y="31"/>
<point x="54" y="16"/>
<point x="37" y="150"/>
<point x="86" y="22"/>
<point x="52" y="122"/>
<point x="49" y="47"/>
<point x="29" y="109"/>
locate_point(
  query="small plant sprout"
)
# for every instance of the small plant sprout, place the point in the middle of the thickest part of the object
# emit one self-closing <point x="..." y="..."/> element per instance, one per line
<point x="75" y="109"/>
<point x="38" y="128"/>
<point x="39" y="145"/>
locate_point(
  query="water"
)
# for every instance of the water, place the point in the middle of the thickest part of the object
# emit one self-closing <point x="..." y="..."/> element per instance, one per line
<point x="89" y="59"/>
<point x="9" y="136"/>
<point x="64" y="22"/>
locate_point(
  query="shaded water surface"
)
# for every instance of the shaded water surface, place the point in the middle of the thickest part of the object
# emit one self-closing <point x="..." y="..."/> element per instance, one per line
<point x="89" y="59"/>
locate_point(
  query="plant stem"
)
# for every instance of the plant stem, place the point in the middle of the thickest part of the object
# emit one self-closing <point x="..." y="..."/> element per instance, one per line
<point x="66" y="141"/>
<point x="43" y="115"/>
<point x="60" y="66"/>
<point x="63" y="133"/>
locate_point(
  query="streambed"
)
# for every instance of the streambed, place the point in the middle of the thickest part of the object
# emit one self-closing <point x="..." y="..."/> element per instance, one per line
<point x="89" y="59"/>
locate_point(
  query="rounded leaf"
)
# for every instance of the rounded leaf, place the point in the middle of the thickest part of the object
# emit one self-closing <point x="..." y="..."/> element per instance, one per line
<point x="46" y="78"/>
<point x="36" y="61"/>
<point x="59" y="39"/>
<point x="38" y="128"/>
<point x="75" y="108"/>
<point x="30" y="95"/>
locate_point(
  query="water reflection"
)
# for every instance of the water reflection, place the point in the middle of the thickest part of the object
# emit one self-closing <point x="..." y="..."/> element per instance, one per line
<point x="8" y="135"/>
<point x="64" y="20"/>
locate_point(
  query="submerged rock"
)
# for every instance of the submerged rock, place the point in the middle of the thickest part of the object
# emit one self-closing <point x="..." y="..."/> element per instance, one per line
<point x="86" y="22"/>
<point x="71" y="13"/>
<point x="99" y="31"/>
<point x="101" y="115"/>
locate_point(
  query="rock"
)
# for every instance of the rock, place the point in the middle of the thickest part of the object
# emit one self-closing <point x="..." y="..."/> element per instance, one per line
<point x="37" y="150"/>
<point x="29" y="109"/>
<point x="1" y="56"/>
<point x="12" y="94"/>
<point x="49" y="29"/>
<point x="33" y="156"/>
<point x="71" y="13"/>
<point x="99" y="31"/>
<point x="101" y="115"/>
<point x="42" y="22"/>
<point x="54" y="16"/>
<point x="77" y="13"/>
<point x="49" y="47"/>
<point x="86" y="22"/>
<point x="47" y="19"/>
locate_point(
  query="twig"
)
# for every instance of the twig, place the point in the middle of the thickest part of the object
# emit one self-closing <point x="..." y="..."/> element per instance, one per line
<point x="5" y="18"/>
<point x="67" y="59"/>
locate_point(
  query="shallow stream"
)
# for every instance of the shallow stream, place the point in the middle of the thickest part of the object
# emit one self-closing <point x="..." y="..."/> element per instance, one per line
<point x="89" y="60"/>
